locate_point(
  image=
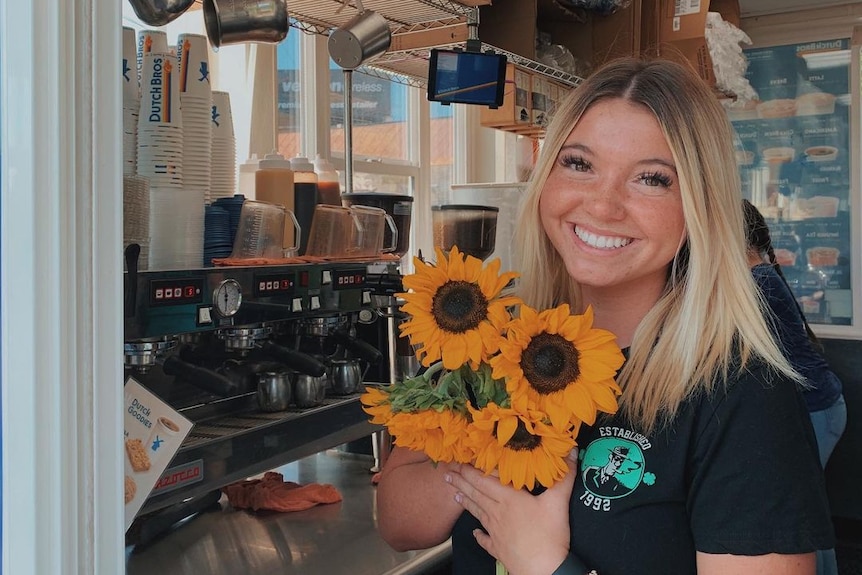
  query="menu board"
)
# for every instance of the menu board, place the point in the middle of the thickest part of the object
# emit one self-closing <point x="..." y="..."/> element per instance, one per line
<point x="793" y="151"/>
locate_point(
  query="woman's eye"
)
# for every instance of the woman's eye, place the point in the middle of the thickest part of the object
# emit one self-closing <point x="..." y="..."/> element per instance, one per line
<point x="577" y="163"/>
<point x="656" y="179"/>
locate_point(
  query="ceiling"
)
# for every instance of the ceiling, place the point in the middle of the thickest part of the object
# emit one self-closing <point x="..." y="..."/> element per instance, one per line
<point x="759" y="7"/>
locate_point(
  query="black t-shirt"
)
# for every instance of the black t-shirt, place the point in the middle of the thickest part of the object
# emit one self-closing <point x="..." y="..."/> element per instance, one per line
<point x="736" y="472"/>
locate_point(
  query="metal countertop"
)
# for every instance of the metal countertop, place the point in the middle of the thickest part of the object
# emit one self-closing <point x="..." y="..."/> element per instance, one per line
<point x="334" y="539"/>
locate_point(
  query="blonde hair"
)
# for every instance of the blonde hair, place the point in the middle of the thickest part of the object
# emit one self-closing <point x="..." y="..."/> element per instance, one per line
<point x="708" y="322"/>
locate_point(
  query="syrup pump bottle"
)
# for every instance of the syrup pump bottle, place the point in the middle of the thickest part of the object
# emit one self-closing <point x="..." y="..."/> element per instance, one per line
<point x="304" y="196"/>
<point x="273" y="183"/>
<point x="328" y="188"/>
<point x="247" y="178"/>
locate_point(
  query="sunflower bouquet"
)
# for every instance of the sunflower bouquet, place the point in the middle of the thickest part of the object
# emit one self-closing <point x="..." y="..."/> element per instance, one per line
<point x="507" y="387"/>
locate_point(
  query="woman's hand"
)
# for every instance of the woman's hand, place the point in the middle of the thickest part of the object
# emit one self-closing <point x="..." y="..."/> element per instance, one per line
<point x="528" y="534"/>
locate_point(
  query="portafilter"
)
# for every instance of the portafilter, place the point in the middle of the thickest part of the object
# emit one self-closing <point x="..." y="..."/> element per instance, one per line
<point x="246" y="339"/>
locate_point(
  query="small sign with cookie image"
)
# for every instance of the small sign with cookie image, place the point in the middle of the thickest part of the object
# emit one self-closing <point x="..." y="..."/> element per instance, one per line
<point x="152" y="434"/>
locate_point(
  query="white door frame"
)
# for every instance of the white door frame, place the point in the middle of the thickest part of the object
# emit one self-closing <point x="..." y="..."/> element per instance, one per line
<point x="61" y="289"/>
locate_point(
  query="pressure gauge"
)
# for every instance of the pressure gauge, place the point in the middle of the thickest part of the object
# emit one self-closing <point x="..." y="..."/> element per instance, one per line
<point x="227" y="297"/>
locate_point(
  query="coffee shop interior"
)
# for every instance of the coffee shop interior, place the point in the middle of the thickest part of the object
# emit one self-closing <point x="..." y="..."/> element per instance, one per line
<point x="200" y="212"/>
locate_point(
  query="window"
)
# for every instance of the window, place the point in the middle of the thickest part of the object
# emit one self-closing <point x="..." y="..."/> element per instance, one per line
<point x="442" y="149"/>
<point x="289" y="95"/>
<point x="385" y="127"/>
<point x="380" y="122"/>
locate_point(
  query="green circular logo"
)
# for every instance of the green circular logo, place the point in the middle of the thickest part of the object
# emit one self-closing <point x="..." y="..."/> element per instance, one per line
<point x="612" y="467"/>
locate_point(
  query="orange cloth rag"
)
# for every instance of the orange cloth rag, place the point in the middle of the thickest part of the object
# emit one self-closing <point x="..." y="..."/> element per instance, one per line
<point x="275" y="494"/>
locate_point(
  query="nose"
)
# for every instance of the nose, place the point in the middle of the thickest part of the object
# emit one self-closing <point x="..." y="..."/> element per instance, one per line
<point x="607" y="200"/>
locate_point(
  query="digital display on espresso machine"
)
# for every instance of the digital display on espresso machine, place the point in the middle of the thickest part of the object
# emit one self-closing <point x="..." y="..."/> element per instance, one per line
<point x="178" y="291"/>
<point x="274" y="284"/>
<point x="349" y="279"/>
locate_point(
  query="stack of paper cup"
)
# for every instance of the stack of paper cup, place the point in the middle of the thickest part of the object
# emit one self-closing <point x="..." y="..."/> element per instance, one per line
<point x="223" y="168"/>
<point x="136" y="216"/>
<point x="176" y="221"/>
<point x="131" y="103"/>
<point x="196" y="105"/>
<point x="150" y="41"/>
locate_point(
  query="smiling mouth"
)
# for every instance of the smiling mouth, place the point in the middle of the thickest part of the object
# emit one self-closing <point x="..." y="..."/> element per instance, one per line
<point x="601" y="242"/>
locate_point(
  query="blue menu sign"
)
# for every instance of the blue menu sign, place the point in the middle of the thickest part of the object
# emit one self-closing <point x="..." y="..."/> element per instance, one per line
<point x="793" y="146"/>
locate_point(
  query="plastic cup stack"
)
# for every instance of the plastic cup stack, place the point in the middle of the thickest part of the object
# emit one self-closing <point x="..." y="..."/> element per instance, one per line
<point x="218" y="241"/>
<point x="131" y="103"/>
<point x="176" y="219"/>
<point x="196" y="105"/>
<point x="233" y="206"/>
<point x="223" y="166"/>
<point x="136" y="216"/>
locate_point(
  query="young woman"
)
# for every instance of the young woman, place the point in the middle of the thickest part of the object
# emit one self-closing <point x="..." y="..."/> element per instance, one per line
<point x="823" y="392"/>
<point x="709" y="466"/>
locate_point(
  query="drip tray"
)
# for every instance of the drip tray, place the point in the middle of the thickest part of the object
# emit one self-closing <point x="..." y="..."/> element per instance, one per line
<point x="230" y="426"/>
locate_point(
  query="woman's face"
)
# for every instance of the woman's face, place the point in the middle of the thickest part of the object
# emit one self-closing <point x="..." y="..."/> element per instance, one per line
<point x="611" y="205"/>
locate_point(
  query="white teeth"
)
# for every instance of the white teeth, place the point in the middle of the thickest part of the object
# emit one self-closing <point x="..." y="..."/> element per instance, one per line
<point x="601" y="242"/>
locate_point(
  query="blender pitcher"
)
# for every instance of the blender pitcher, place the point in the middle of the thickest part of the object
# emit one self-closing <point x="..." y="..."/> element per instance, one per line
<point x="260" y="233"/>
<point x="335" y="232"/>
<point x="372" y="223"/>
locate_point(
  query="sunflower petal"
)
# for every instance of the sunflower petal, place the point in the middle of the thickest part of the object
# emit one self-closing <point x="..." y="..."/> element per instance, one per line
<point x="454" y="352"/>
<point x="506" y="428"/>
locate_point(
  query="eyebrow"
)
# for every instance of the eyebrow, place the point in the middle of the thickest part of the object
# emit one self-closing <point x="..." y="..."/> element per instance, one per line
<point x="648" y="161"/>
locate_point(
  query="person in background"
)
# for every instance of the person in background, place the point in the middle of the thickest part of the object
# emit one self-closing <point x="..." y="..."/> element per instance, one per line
<point x="634" y="210"/>
<point x="823" y="394"/>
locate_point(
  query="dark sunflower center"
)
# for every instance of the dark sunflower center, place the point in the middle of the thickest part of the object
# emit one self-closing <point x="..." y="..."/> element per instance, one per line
<point x="550" y="363"/>
<point x="459" y="306"/>
<point x="523" y="440"/>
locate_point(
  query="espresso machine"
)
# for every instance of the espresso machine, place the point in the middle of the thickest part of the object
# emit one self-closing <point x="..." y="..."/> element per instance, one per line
<point x="199" y="339"/>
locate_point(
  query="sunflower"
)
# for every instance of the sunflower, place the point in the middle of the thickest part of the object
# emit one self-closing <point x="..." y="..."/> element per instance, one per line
<point x="375" y="402"/>
<point x="557" y="363"/>
<point x="522" y="448"/>
<point x="440" y="434"/>
<point x="456" y="310"/>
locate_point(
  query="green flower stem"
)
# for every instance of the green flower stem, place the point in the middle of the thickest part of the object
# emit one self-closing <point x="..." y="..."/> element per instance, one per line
<point x="500" y="569"/>
<point x="485" y="388"/>
<point x="432" y="371"/>
<point x="454" y="390"/>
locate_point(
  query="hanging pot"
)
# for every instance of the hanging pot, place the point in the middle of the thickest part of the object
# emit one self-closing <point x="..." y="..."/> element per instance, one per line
<point x="236" y="21"/>
<point x="159" y="12"/>
<point x="365" y="37"/>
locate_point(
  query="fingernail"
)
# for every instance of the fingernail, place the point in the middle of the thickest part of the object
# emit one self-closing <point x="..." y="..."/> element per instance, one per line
<point x="447" y="478"/>
<point x="573" y="454"/>
<point x="458" y="497"/>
